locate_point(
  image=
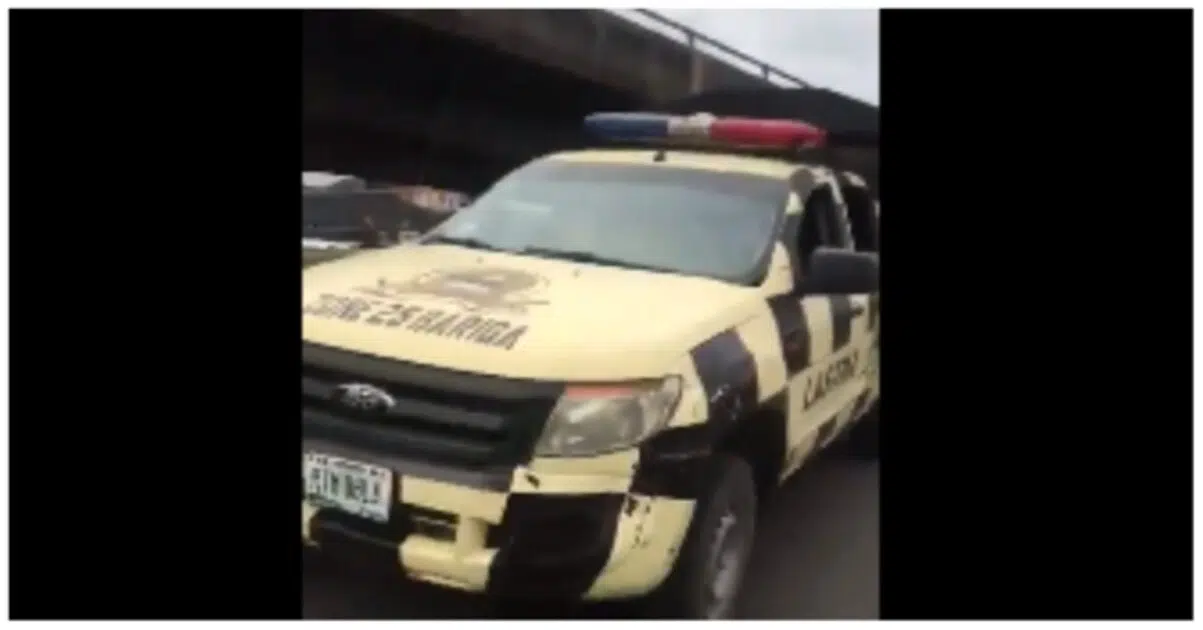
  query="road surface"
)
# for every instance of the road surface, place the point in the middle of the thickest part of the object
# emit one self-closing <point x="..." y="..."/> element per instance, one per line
<point x="816" y="557"/>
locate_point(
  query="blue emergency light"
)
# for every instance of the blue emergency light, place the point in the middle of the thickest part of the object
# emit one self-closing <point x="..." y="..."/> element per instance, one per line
<point x="632" y="126"/>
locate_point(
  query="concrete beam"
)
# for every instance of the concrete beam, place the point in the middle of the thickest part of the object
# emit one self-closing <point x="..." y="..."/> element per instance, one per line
<point x="470" y="127"/>
<point x="592" y="44"/>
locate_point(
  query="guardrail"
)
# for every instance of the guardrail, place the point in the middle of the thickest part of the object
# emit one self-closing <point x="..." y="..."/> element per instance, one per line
<point x="695" y="40"/>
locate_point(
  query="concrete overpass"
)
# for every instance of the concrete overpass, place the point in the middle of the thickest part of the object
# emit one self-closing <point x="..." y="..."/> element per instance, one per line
<point x="455" y="97"/>
<point x="605" y="48"/>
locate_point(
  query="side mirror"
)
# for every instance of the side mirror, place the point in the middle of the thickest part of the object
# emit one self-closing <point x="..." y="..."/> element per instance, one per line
<point x="841" y="271"/>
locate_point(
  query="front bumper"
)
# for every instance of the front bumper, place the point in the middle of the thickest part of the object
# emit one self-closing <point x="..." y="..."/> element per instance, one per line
<point x="568" y="529"/>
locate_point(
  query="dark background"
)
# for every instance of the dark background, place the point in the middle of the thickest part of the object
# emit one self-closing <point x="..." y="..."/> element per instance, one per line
<point x="393" y="100"/>
<point x="1038" y="443"/>
<point x="446" y="84"/>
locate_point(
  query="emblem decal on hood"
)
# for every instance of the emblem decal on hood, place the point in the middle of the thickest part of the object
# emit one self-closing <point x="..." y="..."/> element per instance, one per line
<point x="479" y="293"/>
<point x="472" y="289"/>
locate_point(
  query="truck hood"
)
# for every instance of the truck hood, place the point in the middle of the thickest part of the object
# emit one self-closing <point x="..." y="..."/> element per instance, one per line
<point x="515" y="316"/>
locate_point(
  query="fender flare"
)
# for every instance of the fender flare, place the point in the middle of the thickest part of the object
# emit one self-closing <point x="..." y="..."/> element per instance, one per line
<point x="671" y="462"/>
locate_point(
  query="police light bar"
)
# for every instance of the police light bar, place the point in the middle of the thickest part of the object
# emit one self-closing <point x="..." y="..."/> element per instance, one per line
<point x="749" y="132"/>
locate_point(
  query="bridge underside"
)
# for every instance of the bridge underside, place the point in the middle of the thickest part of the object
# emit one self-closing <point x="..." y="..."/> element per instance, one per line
<point x="389" y="99"/>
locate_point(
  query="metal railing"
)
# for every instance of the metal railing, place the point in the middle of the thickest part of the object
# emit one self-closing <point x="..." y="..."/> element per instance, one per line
<point x="695" y="39"/>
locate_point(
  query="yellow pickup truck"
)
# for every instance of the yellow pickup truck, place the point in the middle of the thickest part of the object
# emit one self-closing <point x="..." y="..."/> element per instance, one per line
<point x="581" y="385"/>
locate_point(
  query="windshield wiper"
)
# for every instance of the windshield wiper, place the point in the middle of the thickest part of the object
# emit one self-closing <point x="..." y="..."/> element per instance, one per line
<point x="463" y="241"/>
<point x="590" y="257"/>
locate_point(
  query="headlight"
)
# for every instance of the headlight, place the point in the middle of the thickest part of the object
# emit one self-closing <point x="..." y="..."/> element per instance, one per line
<point x="593" y="420"/>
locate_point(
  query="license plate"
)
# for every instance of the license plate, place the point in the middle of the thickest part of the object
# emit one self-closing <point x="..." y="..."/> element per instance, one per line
<point x="349" y="486"/>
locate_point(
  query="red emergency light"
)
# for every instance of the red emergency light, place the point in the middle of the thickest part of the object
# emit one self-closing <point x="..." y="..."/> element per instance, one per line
<point x="750" y="132"/>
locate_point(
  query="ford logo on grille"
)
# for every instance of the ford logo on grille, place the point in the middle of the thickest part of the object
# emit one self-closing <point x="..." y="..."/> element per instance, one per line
<point x="364" y="397"/>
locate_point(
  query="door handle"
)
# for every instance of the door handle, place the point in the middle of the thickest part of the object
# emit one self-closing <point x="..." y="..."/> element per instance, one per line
<point x="858" y="310"/>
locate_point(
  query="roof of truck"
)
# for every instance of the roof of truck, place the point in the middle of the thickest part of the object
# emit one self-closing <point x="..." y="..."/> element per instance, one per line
<point x="684" y="158"/>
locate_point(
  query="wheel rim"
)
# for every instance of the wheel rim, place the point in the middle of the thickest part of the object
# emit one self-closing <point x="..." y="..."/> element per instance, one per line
<point x="725" y="567"/>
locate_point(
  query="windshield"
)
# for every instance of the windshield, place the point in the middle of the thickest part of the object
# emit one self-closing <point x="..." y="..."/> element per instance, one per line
<point x="705" y="223"/>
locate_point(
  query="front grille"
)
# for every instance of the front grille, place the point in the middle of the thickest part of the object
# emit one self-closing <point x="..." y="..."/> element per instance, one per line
<point x="441" y="416"/>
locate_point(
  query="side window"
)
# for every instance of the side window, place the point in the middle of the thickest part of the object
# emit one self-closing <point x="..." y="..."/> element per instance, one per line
<point x="823" y="223"/>
<point x="861" y="212"/>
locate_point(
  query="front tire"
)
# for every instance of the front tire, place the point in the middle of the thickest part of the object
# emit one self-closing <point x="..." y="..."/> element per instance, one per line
<point x="705" y="581"/>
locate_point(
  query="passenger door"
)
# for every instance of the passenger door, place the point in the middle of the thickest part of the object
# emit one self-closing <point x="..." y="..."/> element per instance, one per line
<point x="864" y="213"/>
<point x="827" y="360"/>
